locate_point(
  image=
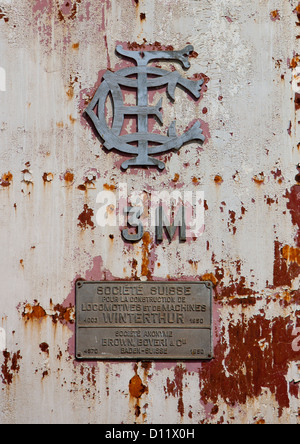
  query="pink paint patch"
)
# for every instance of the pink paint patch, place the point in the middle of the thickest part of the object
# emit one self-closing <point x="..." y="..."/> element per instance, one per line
<point x="204" y="127"/>
<point x="41" y="5"/>
<point x="206" y="131"/>
<point x="66" y="7"/>
<point x="205" y="79"/>
<point x="98" y="273"/>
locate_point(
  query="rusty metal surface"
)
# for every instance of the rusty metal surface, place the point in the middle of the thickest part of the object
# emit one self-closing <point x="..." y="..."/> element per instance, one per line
<point x="52" y="168"/>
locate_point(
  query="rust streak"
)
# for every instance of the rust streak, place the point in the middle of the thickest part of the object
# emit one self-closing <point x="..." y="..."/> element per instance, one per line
<point x="10" y="366"/>
<point x="175" y="388"/>
<point x="145" y="255"/>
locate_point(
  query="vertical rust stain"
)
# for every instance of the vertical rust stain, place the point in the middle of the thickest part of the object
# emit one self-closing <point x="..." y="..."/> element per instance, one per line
<point x="218" y="179"/>
<point x="10" y="366"/>
<point x="285" y="271"/>
<point x="134" y="272"/>
<point x="136" y="390"/>
<point x="297" y="101"/>
<point x="71" y="87"/>
<point x="175" y="388"/>
<point x="293" y="204"/>
<point x="145" y="255"/>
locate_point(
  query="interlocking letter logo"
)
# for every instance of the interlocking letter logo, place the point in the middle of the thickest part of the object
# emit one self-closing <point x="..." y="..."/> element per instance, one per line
<point x="143" y="145"/>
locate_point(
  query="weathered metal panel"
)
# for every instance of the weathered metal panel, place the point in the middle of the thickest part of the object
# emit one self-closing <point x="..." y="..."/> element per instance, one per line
<point x="53" y="167"/>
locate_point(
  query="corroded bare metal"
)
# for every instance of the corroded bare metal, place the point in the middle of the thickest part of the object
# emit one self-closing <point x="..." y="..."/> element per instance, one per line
<point x="148" y="144"/>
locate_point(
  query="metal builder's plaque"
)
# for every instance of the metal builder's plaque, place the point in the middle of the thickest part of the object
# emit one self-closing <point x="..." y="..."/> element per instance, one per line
<point x="145" y="321"/>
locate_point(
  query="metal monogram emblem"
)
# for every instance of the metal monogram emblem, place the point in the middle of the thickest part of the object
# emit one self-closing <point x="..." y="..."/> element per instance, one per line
<point x="142" y="77"/>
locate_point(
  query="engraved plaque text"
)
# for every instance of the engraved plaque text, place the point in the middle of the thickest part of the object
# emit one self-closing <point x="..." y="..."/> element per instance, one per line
<point x="144" y="321"/>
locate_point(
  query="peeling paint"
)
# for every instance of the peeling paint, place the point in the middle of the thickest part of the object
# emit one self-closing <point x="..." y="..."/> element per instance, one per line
<point x="176" y="388"/>
<point x="58" y="313"/>
<point x="247" y="369"/>
<point x="10" y="367"/>
<point x="53" y="166"/>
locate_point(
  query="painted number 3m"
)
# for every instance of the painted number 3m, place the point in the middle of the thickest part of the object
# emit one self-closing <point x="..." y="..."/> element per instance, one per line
<point x="296" y="342"/>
